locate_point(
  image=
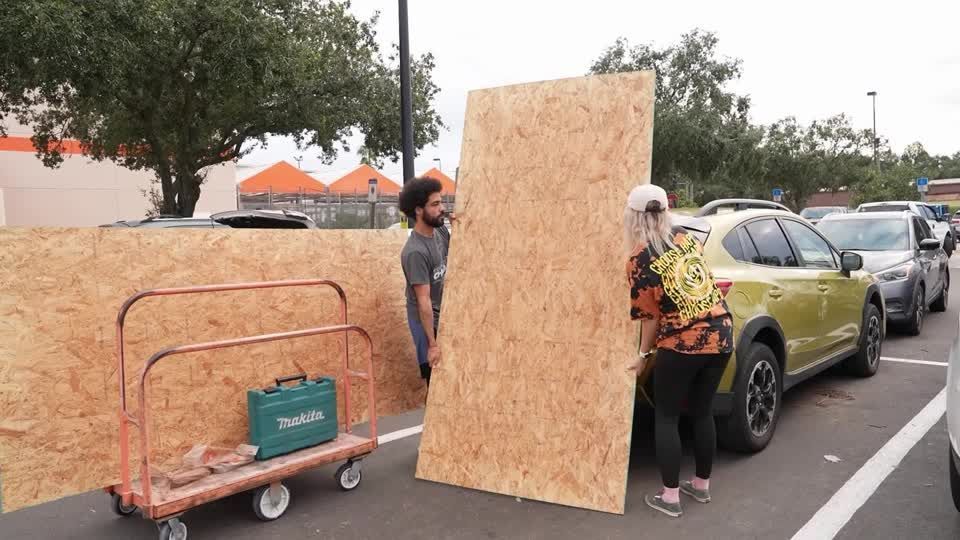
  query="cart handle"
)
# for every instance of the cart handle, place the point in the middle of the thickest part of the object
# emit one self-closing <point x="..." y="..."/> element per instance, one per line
<point x="252" y="340"/>
<point x="121" y="317"/>
<point x="125" y="415"/>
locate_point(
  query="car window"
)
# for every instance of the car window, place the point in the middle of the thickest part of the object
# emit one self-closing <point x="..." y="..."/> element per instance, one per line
<point x="928" y="213"/>
<point x="749" y="249"/>
<point x="918" y="230"/>
<point x="771" y="243"/>
<point x="885" y="208"/>
<point x="731" y="243"/>
<point x="814" y="250"/>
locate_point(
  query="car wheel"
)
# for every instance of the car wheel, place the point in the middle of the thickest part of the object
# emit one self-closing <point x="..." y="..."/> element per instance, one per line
<point x="867" y="360"/>
<point x="940" y="304"/>
<point x="950" y="246"/>
<point x="954" y="480"/>
<point x="757" y="401"/>
<point x="915" y="326"/>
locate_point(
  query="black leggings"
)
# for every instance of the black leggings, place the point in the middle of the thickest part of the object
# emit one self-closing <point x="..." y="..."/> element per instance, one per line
<point x="694" y="377"/>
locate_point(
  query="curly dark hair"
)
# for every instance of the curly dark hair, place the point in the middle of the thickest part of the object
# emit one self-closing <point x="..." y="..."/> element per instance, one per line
<point x="415" y="194"/>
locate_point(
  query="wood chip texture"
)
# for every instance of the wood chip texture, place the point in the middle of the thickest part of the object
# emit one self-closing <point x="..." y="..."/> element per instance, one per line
<point x="532" y="398"/>
<point x="61" y="289"/>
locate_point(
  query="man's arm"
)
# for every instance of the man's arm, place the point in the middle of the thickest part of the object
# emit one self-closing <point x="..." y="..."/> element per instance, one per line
<point x="425" y="311"/>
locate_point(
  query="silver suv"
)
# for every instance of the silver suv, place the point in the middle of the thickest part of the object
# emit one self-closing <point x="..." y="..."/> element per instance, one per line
<point x="900" y="250"/>
<point x="943" y="229"/>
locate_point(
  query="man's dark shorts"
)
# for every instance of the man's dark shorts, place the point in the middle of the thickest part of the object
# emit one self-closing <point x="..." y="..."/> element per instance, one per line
<point x="422" y="345"/>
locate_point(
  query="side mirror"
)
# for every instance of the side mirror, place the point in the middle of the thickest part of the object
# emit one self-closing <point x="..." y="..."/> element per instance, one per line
<point x="850" y="262"/>
<point x="929" y="244"/>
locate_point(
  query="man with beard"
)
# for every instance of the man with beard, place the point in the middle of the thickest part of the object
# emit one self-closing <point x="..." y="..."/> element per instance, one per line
<point x="424" y="262"/>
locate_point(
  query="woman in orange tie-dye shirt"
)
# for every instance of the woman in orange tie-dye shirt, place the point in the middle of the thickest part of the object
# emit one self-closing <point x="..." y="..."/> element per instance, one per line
<point x="685" y="319"/>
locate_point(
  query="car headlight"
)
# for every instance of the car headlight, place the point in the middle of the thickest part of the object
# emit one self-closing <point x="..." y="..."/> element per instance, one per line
<point x="897" y="273"/>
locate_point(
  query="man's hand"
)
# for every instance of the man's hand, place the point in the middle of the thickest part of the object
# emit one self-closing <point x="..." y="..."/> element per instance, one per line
<point x="433" y="355"/>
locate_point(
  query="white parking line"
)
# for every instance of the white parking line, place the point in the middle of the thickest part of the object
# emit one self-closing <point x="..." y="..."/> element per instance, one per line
<point x="909" y="361"/>
<point x="399" y="434"/>
<point x="830" y="519"/>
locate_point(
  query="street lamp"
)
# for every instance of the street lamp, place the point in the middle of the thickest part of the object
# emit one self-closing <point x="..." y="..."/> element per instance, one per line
<point x="439" y="164"/>
<point x="876" y="141"/>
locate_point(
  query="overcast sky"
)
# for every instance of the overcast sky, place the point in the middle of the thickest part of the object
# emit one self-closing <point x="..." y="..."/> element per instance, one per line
<point x="809" y="59"/>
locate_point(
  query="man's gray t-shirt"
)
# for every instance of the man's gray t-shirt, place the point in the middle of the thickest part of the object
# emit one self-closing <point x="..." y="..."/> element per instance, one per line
<point x="424" y="261"/>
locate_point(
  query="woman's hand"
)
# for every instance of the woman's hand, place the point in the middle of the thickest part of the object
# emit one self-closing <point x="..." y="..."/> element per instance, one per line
<point x="638" y="363"/>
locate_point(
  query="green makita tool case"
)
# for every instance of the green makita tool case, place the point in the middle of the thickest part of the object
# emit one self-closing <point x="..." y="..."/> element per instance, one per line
<point x="287" y="418"/>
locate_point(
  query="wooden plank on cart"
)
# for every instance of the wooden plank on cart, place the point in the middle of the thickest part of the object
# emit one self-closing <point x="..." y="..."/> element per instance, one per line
<point x="256" y="474"/>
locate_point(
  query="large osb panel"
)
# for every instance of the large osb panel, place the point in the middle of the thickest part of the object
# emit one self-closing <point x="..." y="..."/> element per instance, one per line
<point x="60" y="290"/>
<point x="532" y="398"/>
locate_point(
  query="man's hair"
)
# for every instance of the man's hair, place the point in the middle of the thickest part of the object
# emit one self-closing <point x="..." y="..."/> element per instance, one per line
<point x="416" y="193"/>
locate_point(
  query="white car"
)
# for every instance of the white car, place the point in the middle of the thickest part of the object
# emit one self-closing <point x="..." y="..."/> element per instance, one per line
<point x="942" y="229"/>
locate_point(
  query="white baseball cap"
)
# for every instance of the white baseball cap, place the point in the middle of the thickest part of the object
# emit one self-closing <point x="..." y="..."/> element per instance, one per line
<point x="642" y="197"/>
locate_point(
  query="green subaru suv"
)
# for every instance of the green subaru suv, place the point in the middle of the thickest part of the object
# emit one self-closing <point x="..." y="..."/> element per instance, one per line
<point x="799" y="307"/>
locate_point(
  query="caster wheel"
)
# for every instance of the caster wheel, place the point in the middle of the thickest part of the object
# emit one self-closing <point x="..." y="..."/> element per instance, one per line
<point x="173" y="530"/>
<point x="349" y="476"/>
<point x="267" y="507"/>
<point x="120" y="509"/>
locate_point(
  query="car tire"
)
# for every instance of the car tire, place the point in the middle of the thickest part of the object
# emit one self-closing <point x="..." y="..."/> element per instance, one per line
<point x="867" y="360"/>
<point x="757" y="402"/>
<point x="915" y="326"/>
<point x="940" y="304"/>
<point x="950" y="245"/>
<point x="954" y="479"/>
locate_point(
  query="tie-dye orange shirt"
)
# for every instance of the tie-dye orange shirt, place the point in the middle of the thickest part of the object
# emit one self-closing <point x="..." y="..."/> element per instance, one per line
<point x="678" y="288"/>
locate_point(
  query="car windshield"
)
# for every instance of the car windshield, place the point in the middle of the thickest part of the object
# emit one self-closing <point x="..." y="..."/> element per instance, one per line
<point x="885" y="208"/>
<point x="816" y="213"/>
<point x="867" y="234"/>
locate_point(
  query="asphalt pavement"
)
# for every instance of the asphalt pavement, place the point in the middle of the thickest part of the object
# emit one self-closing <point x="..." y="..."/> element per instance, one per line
<point x="770" y="495"/>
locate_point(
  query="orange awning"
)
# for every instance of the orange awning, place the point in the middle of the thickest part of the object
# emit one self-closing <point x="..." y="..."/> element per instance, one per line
<point x="281" y="177"/>
<point x="358" y="181"/>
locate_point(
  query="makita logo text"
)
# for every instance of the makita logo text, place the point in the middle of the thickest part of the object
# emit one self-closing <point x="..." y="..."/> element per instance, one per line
<point x="304" y="418"/>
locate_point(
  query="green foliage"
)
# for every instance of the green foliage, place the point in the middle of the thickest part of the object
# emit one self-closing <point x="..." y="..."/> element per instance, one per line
<point x="176" y="86"/>
<point x="703" y="135"/>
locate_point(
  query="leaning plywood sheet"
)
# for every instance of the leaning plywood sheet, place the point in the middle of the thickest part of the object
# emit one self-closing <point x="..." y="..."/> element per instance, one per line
<point x="60" y="290"/>
<point x="532" y="398"/>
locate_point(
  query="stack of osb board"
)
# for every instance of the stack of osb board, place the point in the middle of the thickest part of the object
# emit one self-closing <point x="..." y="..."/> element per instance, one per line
<point x="532" y="398"/>
<point x="61" y="289"/>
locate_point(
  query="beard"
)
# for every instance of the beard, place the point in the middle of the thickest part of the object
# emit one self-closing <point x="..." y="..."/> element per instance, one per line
<point x="434" y="222"/>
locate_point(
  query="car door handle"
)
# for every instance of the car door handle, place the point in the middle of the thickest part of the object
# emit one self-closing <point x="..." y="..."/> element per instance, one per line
<point x="823" y="288"/>
<point x="775" y="293"/>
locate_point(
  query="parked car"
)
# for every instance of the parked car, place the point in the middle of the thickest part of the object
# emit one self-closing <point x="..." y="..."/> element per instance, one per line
<point x="942" y="228"/>
<point x="953" y="419"/>
<point x="814" y="214"/>
<point x="901" y="251"/>
<point x="723" y="206"/>
<point x="799" y="307"/>
<point x="955" y="220"/>
<point x="234" y="219"/>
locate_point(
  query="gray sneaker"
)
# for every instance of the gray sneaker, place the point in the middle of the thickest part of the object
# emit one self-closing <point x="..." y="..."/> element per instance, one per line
<point x="657" y="503"/>
<point x="699" y="495"/>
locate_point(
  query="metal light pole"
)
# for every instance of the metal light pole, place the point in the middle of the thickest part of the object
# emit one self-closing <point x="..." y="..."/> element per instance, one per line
<point x="439" y="164"/>
<point x="876" y="159"/>
<point x="406" y="97"/>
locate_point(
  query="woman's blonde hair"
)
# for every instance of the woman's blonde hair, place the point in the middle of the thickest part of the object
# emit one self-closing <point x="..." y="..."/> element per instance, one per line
<point x="653" y="227"/>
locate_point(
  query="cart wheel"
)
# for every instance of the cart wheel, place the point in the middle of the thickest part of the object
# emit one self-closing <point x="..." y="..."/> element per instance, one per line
<point x="121" y="509"/>
<point x="268" y="509"/>
<point x="173" y="529"/>
<point x="349" y="476"/>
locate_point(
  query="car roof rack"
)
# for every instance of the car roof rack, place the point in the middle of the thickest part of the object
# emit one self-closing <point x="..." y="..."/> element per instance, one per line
<point x="739" y="204"/>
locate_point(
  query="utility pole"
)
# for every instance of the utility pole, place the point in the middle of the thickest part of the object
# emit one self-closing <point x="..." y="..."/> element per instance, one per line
<point x="876" y="141"/>
<point x="406" y="96"/>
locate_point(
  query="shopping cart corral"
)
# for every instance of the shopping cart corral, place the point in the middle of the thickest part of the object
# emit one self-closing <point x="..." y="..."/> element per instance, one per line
<point x="264" y="478"/>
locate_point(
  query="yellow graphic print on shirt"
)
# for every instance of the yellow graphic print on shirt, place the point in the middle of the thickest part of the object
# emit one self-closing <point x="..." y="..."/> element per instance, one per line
<point x="686" y="279"/>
